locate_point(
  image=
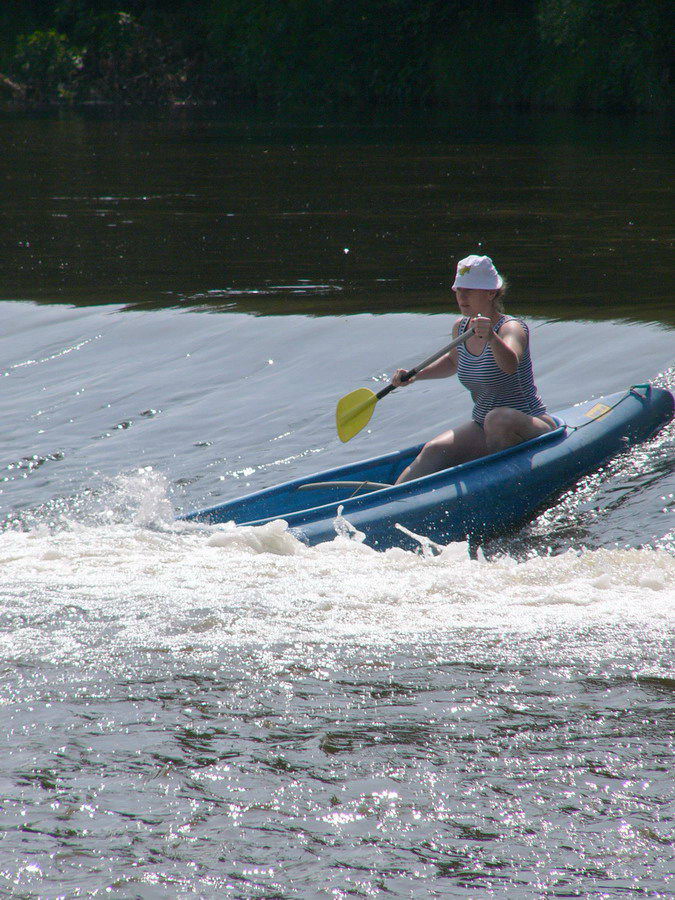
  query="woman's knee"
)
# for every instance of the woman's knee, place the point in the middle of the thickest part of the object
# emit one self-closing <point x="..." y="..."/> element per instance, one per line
<point x="499" y="420"/>
<point x="432" y="457"/>
<point x="505" y="427"/>
<point x="502" y="428"/>
<point x="437" y="447"/>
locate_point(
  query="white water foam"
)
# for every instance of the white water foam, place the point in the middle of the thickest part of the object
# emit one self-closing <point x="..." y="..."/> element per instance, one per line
<point x="175" y="587"/>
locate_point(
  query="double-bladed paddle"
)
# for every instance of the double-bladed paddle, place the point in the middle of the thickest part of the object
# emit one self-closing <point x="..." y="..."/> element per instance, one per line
<point x="354" y="410"/>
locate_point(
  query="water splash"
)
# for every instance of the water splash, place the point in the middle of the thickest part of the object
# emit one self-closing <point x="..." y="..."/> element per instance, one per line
<point x="142" y="496"/>
<point x="345" y="530"/>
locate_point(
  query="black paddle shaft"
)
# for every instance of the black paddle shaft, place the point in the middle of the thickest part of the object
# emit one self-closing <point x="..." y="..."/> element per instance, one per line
<point x="427" y="362"/>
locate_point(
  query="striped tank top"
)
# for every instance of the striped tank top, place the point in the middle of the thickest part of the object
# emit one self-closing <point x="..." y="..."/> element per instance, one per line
<point x="490" y="386"/>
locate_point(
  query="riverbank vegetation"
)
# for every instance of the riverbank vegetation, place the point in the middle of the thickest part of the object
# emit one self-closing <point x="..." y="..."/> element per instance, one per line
<point x="362" y="55"/>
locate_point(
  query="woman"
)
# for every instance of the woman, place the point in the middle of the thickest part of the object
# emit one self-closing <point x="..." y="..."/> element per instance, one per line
<point x="494" y="365"/>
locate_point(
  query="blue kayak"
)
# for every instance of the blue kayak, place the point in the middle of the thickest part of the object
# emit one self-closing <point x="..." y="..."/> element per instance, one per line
<point x="478" y="499"/>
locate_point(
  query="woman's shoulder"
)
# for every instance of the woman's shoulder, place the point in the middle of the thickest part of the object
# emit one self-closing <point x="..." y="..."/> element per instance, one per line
<point x="512" y="325"/>
<point x="513" y="329"/>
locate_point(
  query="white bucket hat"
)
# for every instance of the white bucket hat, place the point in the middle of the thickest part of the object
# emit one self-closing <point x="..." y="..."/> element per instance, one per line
<point x="477" y="272"/>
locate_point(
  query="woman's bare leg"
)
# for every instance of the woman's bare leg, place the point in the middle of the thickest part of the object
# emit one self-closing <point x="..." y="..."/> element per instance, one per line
<point x="450" y="448"/>
<point x="506" y="427"/>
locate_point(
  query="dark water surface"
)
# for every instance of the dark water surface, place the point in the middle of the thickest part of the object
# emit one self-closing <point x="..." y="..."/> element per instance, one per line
<point x="222" y="712"/>
<point x="196" y="212"/>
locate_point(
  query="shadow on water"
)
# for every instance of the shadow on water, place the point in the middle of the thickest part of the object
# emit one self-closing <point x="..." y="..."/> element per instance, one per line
<point x="191" y="211"/>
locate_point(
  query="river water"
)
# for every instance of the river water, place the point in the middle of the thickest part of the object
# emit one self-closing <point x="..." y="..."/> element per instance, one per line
<point x="222" y="712"/>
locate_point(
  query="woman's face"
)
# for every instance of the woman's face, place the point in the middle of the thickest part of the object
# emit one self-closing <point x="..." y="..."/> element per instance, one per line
<point x="474" y="301"/>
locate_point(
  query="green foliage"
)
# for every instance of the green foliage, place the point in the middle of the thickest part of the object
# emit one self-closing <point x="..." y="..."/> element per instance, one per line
<point x="49" y="64"/>
<point x="484" y="54"/>
<point x="102" y="53"/>
<point x="126" y="61"/>
<point x="292" y="51"/>
<point x="609" y="55"/>
<point x="361" y="55"/>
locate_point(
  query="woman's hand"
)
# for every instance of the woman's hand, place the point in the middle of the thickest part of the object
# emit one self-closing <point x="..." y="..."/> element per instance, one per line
<point x="482" y="327"/>
<point x="397" y="378"/>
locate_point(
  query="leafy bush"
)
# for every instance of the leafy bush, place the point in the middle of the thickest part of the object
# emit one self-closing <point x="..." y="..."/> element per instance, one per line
<point x="49" y="65"/>
<point x="364" y="54"/>
<point x="609" y="55"/>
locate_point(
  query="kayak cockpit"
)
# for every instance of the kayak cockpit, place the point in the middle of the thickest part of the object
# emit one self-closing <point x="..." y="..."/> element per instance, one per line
<point x="303" y="495"/>
<point x="369" y="482"/>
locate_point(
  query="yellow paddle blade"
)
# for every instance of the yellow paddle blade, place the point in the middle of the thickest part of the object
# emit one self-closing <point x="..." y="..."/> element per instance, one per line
<point x="353" y="413"/>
